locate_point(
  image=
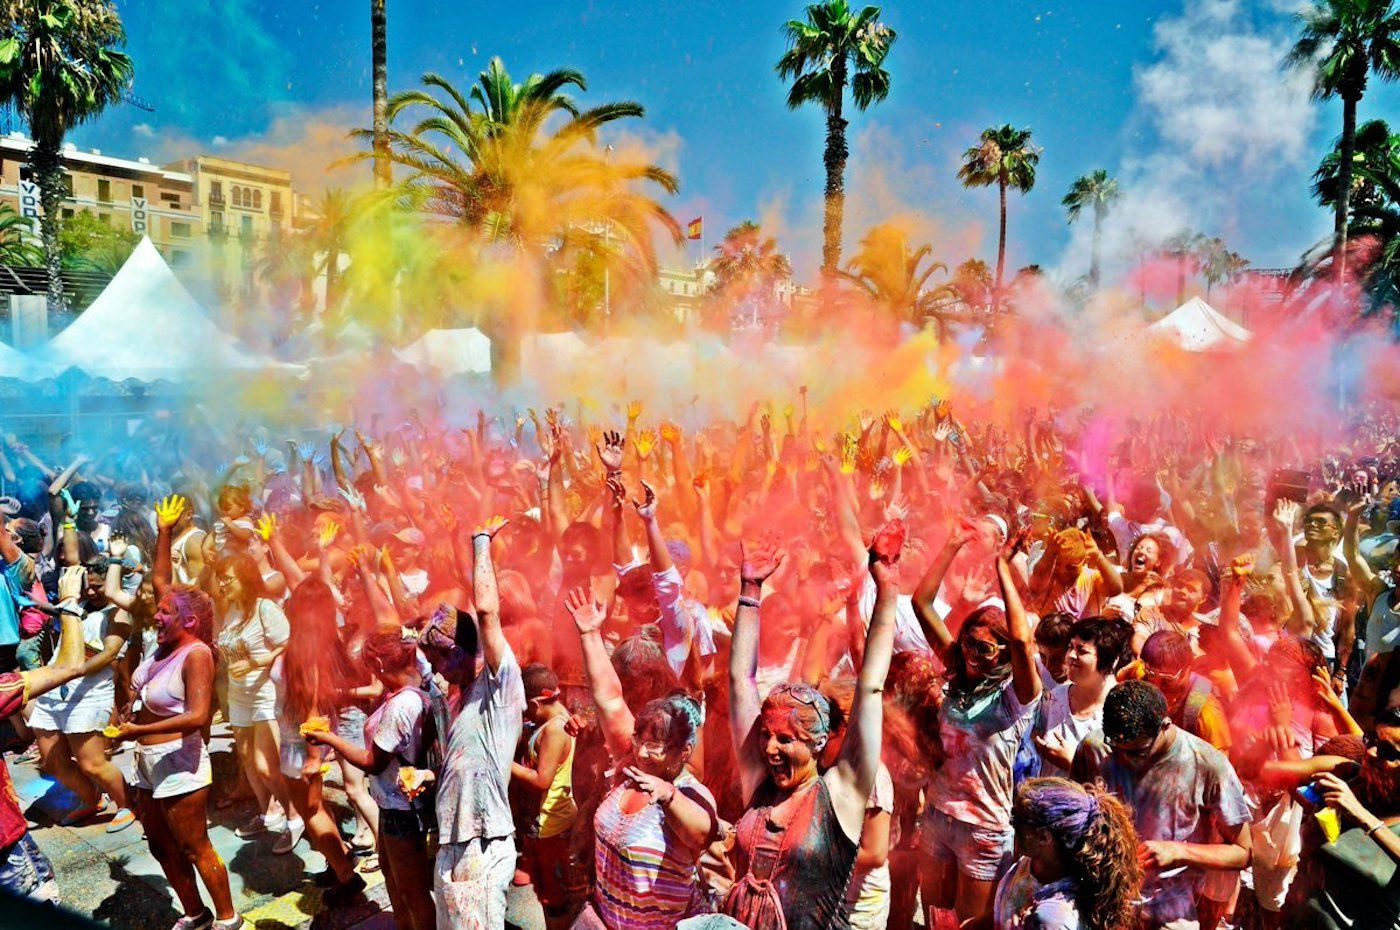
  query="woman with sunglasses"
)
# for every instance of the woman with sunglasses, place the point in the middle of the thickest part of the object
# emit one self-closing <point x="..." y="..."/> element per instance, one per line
<point x="1079" y="866"/>
<point x="994" y="687"/>
<point x="796" y="846"/>
<point x="657" y="805"/>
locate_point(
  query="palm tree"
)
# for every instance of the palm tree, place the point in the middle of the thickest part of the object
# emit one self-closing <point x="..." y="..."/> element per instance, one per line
<point x="59" y="66"/>
<point x="1184" y="246"/>
<point x="379" y="57"/>
<point x="893" y="274"/>
<point x="520" y="164"/>
<point x="326" y="240"/>
<point x="747" y="267"/>
<point x="1219" y="264"/>
<point x="1097" y="191"/>
<point x="1376" y="149"/>
<point x="16" y="244"/>
<point x="832" y="47"/>
<point x="1343" y="42"/>
<point x="1006" y="158"/>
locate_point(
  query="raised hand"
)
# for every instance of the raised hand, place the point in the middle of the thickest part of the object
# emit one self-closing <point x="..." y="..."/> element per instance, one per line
<point x="756" y="564"/>
<point x="893" y="422"/>
<point x="354" y="498"/>
<point x="71" y="583"/>
<point x="902" y="455"/>
<point x="610" y="452"/>
<point x="490" y="527"/>
<point x="646" y="507"/>
<point x="169" y="510"/>
<point x="586" y="611"/>
<point x="329" y="530"/>
<point x="645" y="442"/>
<point x="670" y="433"/>
<point x="267" y="525"/>
<point x="658" y="790"/>
<point x="116" y="547"/>
<point x="634" y="410"/>
<point x="1285" y="515"/>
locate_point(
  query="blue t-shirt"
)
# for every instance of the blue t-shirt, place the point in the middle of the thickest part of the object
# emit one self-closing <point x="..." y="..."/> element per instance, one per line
<point x="19" y="575"/>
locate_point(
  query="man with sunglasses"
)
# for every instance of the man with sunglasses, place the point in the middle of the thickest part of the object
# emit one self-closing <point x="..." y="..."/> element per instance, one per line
<point x="1188" y="804"/>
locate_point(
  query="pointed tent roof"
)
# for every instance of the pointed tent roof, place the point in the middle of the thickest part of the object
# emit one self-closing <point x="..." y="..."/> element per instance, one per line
<point x="453" y="351"/>
<point x="146" y="326"/>
<point x="1198" y="327"/>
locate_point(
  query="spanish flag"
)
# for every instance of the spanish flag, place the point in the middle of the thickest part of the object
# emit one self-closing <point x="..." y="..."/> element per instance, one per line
<point x="695" y="229"/>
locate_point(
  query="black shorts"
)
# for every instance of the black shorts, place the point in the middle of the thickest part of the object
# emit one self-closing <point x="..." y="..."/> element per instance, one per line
<point x="411" y="824"/>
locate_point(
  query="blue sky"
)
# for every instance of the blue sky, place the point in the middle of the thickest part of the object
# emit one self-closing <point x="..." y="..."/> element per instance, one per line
<point x="230" y="74"/>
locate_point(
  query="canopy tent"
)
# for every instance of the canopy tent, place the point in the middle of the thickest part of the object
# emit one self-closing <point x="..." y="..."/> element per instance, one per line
<point x="146" y="326"/>
<point x="1196" y="326"/>
<point x="451" y="351"/>
<point x="23" y="366"/>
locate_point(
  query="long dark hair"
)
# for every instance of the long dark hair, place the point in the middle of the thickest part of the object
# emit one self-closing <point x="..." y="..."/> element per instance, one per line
<point x="316" y="669"/>
<point x="992" y="619"/>
<point x="1097" y="842"/>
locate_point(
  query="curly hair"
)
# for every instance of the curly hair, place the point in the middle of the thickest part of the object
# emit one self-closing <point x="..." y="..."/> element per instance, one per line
<point x="1096" y="839"/>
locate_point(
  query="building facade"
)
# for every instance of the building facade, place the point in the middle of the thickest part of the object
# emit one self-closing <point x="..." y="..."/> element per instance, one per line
<point x="136" y="195"/>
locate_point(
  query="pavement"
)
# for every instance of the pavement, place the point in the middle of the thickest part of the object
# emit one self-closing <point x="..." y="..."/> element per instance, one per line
<point x="113" y="878"/>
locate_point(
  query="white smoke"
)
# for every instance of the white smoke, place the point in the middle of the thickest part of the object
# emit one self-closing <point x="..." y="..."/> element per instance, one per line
<point x="1222" y="114"/>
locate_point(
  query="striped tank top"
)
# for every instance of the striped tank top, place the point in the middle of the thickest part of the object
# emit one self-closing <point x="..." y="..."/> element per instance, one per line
<point x="646" y="876"/>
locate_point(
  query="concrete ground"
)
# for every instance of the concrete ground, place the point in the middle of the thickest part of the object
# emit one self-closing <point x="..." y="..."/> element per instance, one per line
<point x="113" y="879"/>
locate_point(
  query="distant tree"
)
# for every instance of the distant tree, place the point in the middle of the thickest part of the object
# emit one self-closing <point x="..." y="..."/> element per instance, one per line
<point x="88" y="243"/>
<point x="896" y="276"/>
<point x="1096" y="192"/>
<point x="1003" y="157"/>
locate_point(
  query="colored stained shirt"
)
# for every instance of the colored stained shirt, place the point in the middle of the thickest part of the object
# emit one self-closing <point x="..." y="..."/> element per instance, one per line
<point x="980" y="738"/>
<point x="13" y="824"/>
<point x="1023" y="903"/>
<point x="471" y="801"/>
<point x="18" y="579"/>
<point x="1189" y="794"/>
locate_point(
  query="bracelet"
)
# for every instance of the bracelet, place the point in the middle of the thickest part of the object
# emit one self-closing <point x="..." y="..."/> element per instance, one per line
<point x="1379" y="824"/>
<point x="745" y="601"/>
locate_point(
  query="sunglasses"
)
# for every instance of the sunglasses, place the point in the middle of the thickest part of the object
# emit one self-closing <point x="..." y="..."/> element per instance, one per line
<point x="983" y="649"/>
<point x="1153" y="675"/>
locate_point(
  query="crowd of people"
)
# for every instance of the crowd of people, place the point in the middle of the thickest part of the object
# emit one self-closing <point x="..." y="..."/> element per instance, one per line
<point x="1066" y="672"/>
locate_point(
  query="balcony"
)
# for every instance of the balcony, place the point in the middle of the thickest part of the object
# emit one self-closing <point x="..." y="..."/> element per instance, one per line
<point x="216" y="200"/>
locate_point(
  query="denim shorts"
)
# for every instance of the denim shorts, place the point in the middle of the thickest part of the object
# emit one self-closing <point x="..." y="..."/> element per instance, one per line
<point x="981" y="853"/>
<point x="25" y="871"/>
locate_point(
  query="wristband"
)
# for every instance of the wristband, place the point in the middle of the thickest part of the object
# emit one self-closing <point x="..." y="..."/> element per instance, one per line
<point x="746" y="601"/>
<point x="1379" y="824"/>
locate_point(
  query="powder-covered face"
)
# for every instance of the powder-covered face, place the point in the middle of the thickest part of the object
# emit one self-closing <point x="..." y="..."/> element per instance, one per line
<point x="1082" y="660"/>
<point x="1145" y="556"/>
<point x="168" y="623"/>
<point x="790" y="751"/>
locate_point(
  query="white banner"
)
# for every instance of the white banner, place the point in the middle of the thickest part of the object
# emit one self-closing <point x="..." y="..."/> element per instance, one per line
<point x="138" y="215"/>
<point x="30" y="208"/>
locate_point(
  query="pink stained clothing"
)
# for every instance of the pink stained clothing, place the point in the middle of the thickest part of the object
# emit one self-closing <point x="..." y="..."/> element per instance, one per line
<point x="161" y="682"/>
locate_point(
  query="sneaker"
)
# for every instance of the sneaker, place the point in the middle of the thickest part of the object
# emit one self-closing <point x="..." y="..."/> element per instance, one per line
<point x="123" y="819"/>
<point x="81" y="815"/>
<point x="290" y="837"/>
<point x="30" y="755"/>
<point x="200" y="922"/>
<point x="342" y="895"/>
<point x="259" y="824"/>
<point x="235" y="922"/>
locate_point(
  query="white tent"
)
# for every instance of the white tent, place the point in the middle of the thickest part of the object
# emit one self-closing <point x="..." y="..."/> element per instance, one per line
<point x="1198" y="327"/>
<point x="23" y="366"/>
<point x="451" y="351"/>
<point x="146" y="326"/>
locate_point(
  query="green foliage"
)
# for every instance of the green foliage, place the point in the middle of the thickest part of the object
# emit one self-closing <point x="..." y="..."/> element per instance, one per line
<point x="1004" y="156"/>
<point x="86" y="243"/>
<point x="17" y="246"/>
<point x="1344" y="41"/>
<point x="832" y="45"/>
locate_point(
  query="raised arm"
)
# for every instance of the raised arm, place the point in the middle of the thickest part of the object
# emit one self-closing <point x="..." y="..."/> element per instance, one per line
<point x="1237" y="651"/>
<point x="168" y="513"/>
<point x="613" y="712"/>
<point x="859" y="761"/>
<point x="1285" y="517"/>
<point x="935" y="630"/>
<point x="488" y="602"/>
<point x="756" y="565"/>
<point x="1025" y="675"/>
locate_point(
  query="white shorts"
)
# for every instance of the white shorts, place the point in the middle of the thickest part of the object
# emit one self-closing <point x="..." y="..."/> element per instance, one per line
<point x="80" y="710"/>
<point x="168" y="770"/>
<point x="247" y="706"/>
<point x="470" y="882"/>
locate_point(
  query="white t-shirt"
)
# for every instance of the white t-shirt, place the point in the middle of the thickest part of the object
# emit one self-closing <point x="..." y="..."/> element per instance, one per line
<point x="980" y="738"/>
<point x="868" y="894"/>
<point x="396" y="728"/>
<point x="1054" y="720"/>
<point x="472" y="801"/>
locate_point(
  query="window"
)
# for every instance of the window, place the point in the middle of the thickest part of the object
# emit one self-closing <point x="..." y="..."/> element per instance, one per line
<point x="138" y="190"/>
<point x="68" y="185"/>
<point x="104" y="190"/>
<point x="179" y="230"/>
<point x="216" y="191"/>
<point x="170" y="197"/>
<point x="237" y="196"/>
<point x="276" y="202"/>
<point x="257" y="200"/>
<point x="67" y="213"/>
<point x="246" y="230"/>
<point x="216" y="221"/>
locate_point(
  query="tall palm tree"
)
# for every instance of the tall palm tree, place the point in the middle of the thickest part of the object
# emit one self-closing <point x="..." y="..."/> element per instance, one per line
<point x="326" y="240"/>
<point x="893" y="274"/>
<point x="60" y="65"/>
<point x="1005" y="157"/>
<point x="746" y="267"/>
<point x="1185" y="246"/>
<point x="1343" y="42"/>
<point x="1219" y="264"/>
<point x="520" y="164"/>
<point x="835" y="46"/>
<point x="1376" y="149"/>
<point x="379" y="57"/>
<point x="1096" y="191"/>
<point x="16" y="245"/>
